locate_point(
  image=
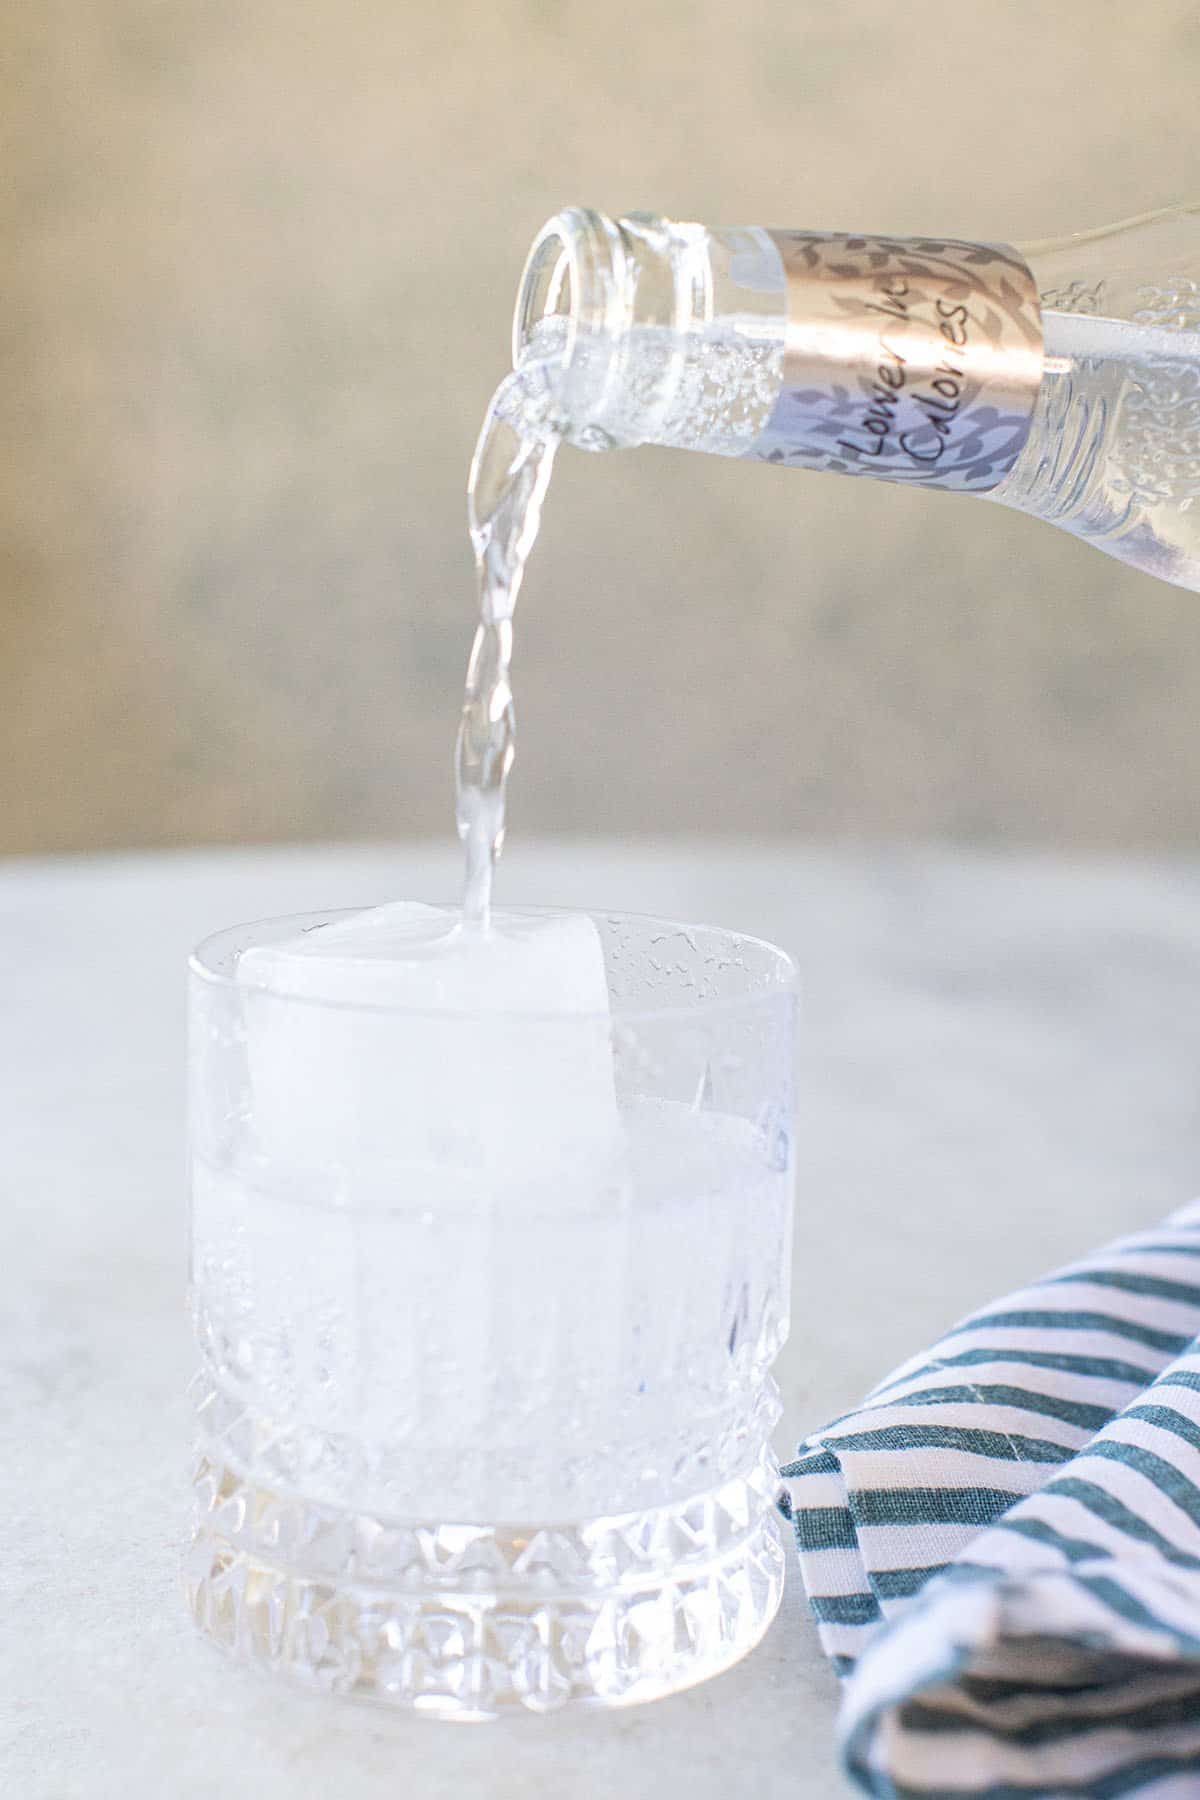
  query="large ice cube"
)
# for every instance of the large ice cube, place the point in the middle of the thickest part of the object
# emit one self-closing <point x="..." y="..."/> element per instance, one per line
<point x="402" y="1036"/>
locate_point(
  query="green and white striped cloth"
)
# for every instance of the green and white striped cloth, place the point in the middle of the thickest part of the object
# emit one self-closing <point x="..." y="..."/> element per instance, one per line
<point x="1002" y="1544"/>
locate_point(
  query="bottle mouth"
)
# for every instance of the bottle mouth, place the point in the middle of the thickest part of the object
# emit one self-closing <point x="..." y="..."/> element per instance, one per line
<point x="548" y="289"/>
<point x="576" y="273"/>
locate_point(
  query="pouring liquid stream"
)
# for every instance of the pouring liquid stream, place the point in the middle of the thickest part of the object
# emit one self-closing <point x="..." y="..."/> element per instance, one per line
<point x="510" y="474"/>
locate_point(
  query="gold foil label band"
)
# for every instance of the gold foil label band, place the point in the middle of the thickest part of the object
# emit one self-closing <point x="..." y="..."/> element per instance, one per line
<point x="911" y="359"/>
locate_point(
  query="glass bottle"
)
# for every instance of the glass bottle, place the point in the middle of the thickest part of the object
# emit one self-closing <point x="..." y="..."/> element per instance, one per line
<point x="1061" y="378"/>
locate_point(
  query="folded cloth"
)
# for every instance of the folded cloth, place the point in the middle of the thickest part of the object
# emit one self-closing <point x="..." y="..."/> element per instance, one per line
<point x="1002" y="1545"/>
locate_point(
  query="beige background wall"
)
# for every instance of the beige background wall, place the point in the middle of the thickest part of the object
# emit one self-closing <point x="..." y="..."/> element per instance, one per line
<point x="259" y="264"/>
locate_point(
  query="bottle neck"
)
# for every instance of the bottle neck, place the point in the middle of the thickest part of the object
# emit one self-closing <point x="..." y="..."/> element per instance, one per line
<point x="664" y="332"/>
<point x="907" y="359"/>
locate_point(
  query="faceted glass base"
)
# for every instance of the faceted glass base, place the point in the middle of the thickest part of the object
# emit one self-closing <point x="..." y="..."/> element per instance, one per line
<point x="472" y="1622"/>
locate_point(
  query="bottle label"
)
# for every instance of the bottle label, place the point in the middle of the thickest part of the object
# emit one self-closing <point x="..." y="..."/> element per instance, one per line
<point x="912" y="359"/>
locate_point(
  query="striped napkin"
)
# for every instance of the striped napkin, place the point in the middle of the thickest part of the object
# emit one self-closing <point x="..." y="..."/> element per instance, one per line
<point x="1001" y="1546"/>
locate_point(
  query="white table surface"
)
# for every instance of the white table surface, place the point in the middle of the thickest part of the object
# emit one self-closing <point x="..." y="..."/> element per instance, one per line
<point x="999" y="1071"/>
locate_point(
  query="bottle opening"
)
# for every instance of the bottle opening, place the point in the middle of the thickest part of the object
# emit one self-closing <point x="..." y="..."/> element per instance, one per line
<point x="549" y="288"/>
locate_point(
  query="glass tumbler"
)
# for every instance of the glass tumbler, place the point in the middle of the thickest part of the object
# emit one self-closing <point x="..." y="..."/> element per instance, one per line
<point x="483" y="1415"/>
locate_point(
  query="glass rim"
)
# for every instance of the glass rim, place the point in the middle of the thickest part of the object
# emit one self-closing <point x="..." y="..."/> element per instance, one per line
<point x="782" y="980"/>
